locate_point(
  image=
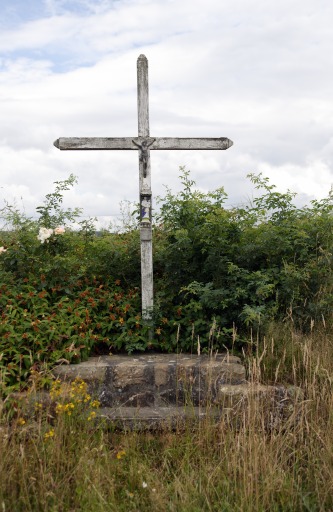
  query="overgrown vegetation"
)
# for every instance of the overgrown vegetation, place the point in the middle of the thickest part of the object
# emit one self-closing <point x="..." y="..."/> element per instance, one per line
<point x="59" y="459"/>
<point x="66" y="293"/>
<point x="254" y="279"/>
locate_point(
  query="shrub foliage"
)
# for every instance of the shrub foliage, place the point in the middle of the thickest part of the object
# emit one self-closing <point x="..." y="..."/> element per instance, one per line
<point x="68" y="293"/>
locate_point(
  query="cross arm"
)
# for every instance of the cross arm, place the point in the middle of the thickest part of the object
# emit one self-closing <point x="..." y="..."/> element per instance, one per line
<point x="67" y="143"/>
<point x="90" y="143"/>
<point x="192" y="143"/>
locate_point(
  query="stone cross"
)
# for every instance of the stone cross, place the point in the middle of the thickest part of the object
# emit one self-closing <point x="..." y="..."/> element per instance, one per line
<point x="143" y="144"/>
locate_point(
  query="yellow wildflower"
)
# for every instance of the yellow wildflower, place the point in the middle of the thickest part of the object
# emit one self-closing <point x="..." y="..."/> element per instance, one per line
<point x="79" y="386"/>
<point x="49" y="434"/>
<point x="68" y="408"/>
<point x="59" y="408"/>
<point x="92" y="415"/>
<point x="55" y="390"/>
<point x="121" y="454"/>
<point x="21" y="421"/>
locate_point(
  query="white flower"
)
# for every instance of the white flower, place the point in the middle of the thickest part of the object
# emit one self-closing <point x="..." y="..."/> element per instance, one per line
<point x="144" y="485"/>
<point x="44" y="234"/>
<point x="59" y="230"/>
<point x="2" y="249"/>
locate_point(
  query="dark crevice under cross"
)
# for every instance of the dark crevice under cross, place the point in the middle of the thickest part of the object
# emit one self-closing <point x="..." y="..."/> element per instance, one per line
<point x="143" y="143"/>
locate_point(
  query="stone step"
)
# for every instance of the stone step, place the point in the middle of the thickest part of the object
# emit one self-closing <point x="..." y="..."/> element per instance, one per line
<point x="158" y="418"/>
<point x="156" y="380"/>
<point x="270" y="406"/>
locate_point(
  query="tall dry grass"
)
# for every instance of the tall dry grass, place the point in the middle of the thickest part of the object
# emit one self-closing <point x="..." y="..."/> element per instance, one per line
<point x="261" y="460"/>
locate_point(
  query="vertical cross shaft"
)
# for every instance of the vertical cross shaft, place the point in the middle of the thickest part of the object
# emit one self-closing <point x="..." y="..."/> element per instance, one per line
<point x="145" y="190"/>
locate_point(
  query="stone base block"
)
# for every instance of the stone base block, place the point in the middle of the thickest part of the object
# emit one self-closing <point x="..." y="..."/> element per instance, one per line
<point x="156" y="380"/>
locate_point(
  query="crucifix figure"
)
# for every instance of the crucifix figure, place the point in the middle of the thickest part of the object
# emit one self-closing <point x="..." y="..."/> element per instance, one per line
<point x="143" y="144"/>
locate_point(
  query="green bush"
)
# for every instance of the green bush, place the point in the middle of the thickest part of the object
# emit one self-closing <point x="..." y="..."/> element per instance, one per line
<point x="246" y="265"/>
<point x="68" y="293"/>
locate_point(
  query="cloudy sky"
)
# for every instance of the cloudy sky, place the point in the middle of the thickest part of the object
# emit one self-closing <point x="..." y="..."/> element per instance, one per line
<point x="256" y="71"/>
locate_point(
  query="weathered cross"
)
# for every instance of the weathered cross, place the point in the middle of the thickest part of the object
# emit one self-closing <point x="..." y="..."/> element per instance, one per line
<point x="143" y="143"/>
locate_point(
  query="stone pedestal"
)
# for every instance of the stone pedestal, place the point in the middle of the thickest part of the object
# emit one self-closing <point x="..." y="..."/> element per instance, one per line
<point x="157" y="380"/>
<point x="168" y="391"/>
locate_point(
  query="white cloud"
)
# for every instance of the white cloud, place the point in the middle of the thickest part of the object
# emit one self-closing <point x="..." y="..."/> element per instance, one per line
<point x="257" y="72"/>
<point x="313" y="179"/>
